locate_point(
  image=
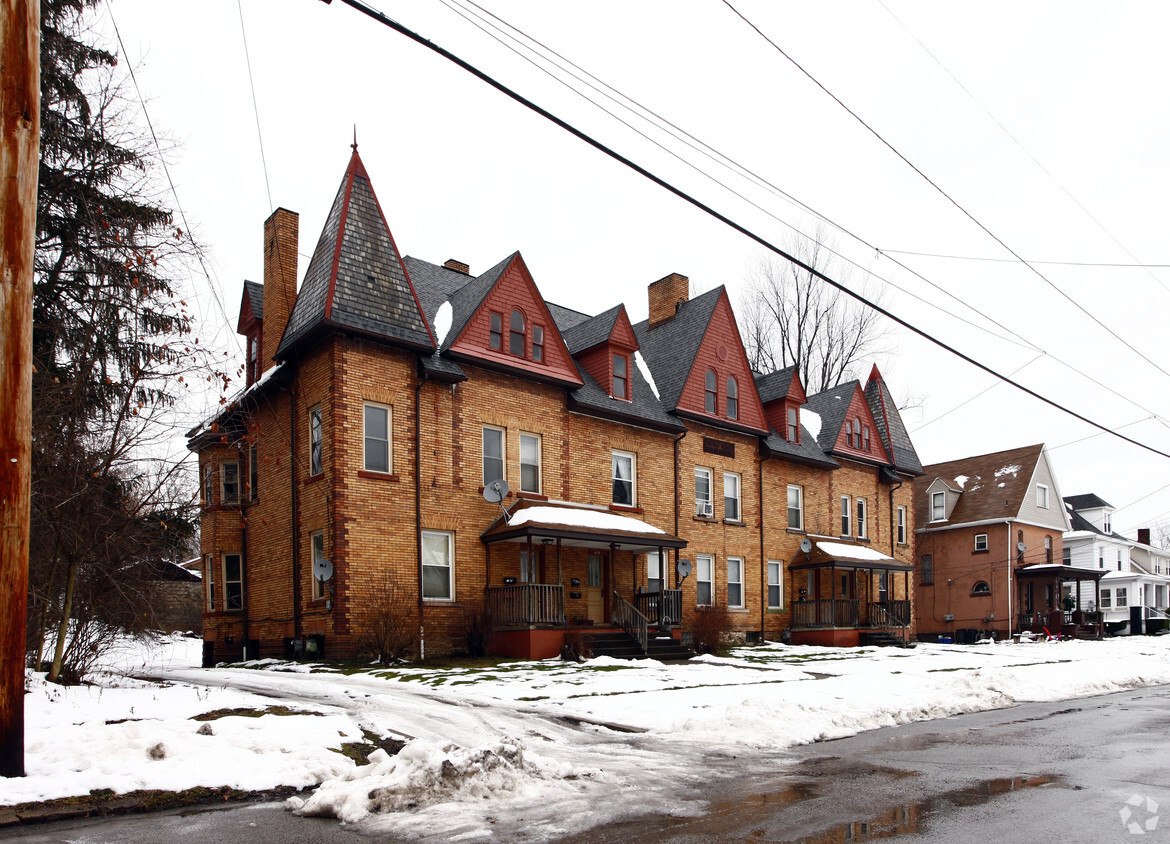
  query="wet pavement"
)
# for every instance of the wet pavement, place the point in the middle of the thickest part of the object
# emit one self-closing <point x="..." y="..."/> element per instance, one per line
<point x="1092" y="770"/>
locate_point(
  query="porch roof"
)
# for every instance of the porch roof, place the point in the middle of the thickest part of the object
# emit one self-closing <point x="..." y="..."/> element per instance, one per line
<point x="848" y="555"/>
<point x="578" y="525"/>
<point x="1059" y="571"/>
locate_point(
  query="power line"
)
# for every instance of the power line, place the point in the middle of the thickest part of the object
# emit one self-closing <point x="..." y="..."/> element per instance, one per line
<point x="946" y="195"/>
<point x="1013" y="260"/>
<point x="255" y="107"/>
<point x="977" y="395"/>
<point x="678" y="192"/>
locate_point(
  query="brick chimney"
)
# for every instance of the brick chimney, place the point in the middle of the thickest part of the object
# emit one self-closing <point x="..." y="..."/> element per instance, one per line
<point x="280" y="278"/>
<point x="457" y="266"/>
<point x="1144" y="536"/>
<point x="666" y="295"/>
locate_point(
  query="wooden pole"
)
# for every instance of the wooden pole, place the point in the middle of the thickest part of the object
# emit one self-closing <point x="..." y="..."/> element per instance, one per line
<point x="20" y="125"/>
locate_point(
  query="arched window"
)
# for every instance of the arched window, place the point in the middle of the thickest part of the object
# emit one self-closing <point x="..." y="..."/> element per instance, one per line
<point x="857" y="432"/>
<point x="732" y="399"/>
<point x="516" y="334"/>
<point x="849" y="433"/>
<point x="981" y="588"/>
<point x="866" y="445"/>
<point x="712" y="387"/>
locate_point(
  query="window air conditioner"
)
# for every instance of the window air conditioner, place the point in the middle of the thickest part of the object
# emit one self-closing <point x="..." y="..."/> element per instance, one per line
<point x="704" y="509"/>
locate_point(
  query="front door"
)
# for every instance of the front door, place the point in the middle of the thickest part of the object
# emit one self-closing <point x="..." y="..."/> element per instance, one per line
<point x="594" y="594"/>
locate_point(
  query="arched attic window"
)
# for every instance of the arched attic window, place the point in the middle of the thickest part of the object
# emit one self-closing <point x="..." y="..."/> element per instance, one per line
<point x="848" y="433"/>
<point x="516" y="333"/>
<point x="712" y="388"/>
<point x="732" y="398"/>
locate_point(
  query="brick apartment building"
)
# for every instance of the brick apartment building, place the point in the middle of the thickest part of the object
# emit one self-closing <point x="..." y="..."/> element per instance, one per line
<point x="386" y="399"/>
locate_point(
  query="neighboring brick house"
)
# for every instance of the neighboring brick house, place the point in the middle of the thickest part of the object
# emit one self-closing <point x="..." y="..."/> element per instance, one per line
<point x="989" y="532"/>
<point x="403" y="391"/>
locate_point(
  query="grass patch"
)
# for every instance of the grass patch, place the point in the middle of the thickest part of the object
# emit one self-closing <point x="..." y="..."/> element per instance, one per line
<point x="103" y="802"/>
<point x="359" y="751"/>
<point x="251" y="712"/>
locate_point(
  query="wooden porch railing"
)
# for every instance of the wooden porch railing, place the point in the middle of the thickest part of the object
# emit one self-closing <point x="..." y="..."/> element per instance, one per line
<point x="526" y="603"/>
<point x="889" y="614"/>
<point x="830" y="612"/>
<point x="647" y="604"/>
<point x="627" y="617"/>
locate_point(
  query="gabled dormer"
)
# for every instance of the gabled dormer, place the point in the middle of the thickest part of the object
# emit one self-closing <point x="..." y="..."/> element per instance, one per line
<point x="941" y="499"/>
<point x="605" y="346"/>
<point x="848" y="428"/>
<point x="501" y="320"/>
<point x="1093" y="509"/>
<point x="251" y="325"/>
<point x="783" y="395"/>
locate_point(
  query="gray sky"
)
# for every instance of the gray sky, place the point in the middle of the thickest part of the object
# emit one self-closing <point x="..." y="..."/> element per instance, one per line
<point x="1047" y="121"/>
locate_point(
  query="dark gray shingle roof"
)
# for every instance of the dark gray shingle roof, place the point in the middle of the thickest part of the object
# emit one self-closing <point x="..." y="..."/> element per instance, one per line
<point x="467" y="299"/>
<point x="1089" y="501"/>
<point x="669" y="348"/>
<point x="255" y="293"/>
<point x="832" y="406"/>
<point x="806" y="451"/>
<point x="890" y="426"/>
<point x="589" y="332"/>
<point x="774" y="385"/>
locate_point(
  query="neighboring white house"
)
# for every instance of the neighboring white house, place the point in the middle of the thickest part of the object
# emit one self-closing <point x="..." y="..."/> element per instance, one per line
<point x="1137" y="574"/>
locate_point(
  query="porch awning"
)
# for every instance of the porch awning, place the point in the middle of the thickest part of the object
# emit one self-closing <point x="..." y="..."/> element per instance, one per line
<point x="1061" y="572"/>
<point x="848" y="555"/>
<point x="578" y="525"/>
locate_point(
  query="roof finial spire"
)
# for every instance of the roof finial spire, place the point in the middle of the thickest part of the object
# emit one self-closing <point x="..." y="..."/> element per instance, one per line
<point x="354" y="145"/>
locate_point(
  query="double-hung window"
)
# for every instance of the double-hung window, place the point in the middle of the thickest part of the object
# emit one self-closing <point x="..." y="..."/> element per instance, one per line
<point x="795" y="507"/>
<point x="537" y="343"/>
<point x="376" y="422"/>
<point x="621" y="377"/>
<point x="516" y="334"/>
<point x="437" y="554"/>
<point x="862" y="527"/>
<point x="732" y="399"/>
<point x="938" y="506"/>
<point x="317" y="542"/>
<point x="624" y="478"/>
<point x="496" y="332"/>
<point x="981" y="542"/>
<point x="208" y="486"/>
<point x="731" y="497"/>
<point x="1122" y="594"/>
<point x="711" y="392"/>
<point x="530" y="463"/>
<point x="793" y="426"/>
<point x="775" y="586"/>
<point x="846" y="515"/>
<point x="1042" y="496"/>
<point x="233" y="582"/>
<point x="316" y="464"/>
<point x="493" y="454"/>
<point x="212" y="579"/>
<point x="653" y="572"/>
<point x="229" y="482"/>
<point x="901" y="525"/>
<point x="253" y="473"/>
<point x="734" y="582"/>
<point x="704" y="581"/>
<point x="703" y="506"/>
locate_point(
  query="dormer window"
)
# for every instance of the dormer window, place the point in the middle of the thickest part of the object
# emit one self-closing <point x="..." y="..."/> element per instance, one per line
<point x="496" y="336"/>
<point x="620" y="377"/>
<point x="712" y="395"/>
<point x="849" y="433"/>
<point x="537" y="343"/>
<point x="1108" y="525"/>
<point x="516" y="334"/>
<point x="793" y="426"/>
<point x="254" y="353"/>
<point x="938" y="506"/>
<point x="866" y="445"/>
<point x="732" y="399"/>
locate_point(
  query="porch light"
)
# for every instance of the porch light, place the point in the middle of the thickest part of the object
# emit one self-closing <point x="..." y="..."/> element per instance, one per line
<point x="547" y="540"/>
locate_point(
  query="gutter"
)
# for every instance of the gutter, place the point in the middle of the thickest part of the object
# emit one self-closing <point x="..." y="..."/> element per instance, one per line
<point x="677" y="440"/>
<point x="418" y="504"/>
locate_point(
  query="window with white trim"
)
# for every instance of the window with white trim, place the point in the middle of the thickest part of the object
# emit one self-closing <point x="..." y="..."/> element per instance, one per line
<point x="1042" y="496"/>
<point x="938" y="506"/>
<point x="530" y="463"/>
<point x="1106" y="599"/>
<point x="704" y="580"/>
<point x="317" y="544"/>
<point x="862" y="521"/>
<point x="493" y="454"/>
<point x="795" y="507"/>
<point x="208" y="486"/>
<point x="1048" y="551"/>
<point x="376" y="439"/>
<point x="1122" y="595"/>
<point x="212" y="579"/>
<point x="703" y="505"/>
<point x="233" y="582"/>
<point x="711" y="392"/>
<point x="625" y="478"/>
<point x="731" y="497"/>
<point x="316" y="462"/>
<point x="793" y="426"/>
<point x="775" y="585"/>
<point x="621" y="369"/>
<point x="732" y="398"/>
<point x="229" y="482"/>
<point x="735" y="581"/>
<point x="846" y="515"/>
<point x="1108" y="522"/>
<point x="901" y="525"/>
<point x="437" y="571"/>
<point x="653" y="571"/>
<point x="981" y="542"/>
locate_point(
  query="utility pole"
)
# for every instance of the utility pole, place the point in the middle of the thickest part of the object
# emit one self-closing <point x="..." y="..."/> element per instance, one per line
<point x="20" y="126"/>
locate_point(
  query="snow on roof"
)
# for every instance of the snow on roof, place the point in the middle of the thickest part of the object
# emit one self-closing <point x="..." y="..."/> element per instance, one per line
<point x="442" y="322"/>
<point x="1012" y="469"/>
<point x="853" y="552"/>
<point x="576" y="517"/>
<point x="645" y="370"/>
<point x="811" y="420"/>
<point x="961" y="480"/>
<point x="260" y="382"/>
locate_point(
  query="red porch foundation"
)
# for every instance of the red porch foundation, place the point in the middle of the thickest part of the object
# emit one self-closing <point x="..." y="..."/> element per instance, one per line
<point x="828" y="637"/>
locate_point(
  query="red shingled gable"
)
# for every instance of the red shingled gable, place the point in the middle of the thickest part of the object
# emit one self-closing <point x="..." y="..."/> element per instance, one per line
<point x="859" y="410"/>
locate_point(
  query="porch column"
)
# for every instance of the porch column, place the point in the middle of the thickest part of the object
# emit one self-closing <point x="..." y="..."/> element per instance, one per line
<point x="487" y="568"/>
<point x="662" y="587"/>
<point x="560" y="580"/>
<point x="607" y="588"/>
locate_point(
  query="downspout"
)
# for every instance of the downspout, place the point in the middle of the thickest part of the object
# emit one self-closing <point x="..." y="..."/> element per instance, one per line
<point x="1011" y="572"/>
<point x="763" y="561"/>
<point x="894" y="521"/>
<point x="422" y="648"/>
<point x="245" y="562"/>
<point x="676" y="495"/>
<point x="298" y="623"/>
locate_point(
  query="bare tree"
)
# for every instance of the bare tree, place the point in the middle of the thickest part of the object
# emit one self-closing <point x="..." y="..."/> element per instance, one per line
<point x="792" y="317"/>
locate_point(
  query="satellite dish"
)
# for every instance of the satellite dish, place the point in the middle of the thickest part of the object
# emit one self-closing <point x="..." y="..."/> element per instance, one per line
<point x="683" y="567"/>
<point x="806" y="545"/>
<point x="495" y="491"/>
<point x="1021" y="547"/>
<point x="322" y="569"/>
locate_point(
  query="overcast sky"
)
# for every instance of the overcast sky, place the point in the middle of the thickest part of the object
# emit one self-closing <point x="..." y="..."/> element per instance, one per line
<point x="1045" y="121"/>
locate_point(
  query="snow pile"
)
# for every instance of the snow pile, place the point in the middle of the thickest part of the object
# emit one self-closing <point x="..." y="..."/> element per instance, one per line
<point x="645" y="370"/>
<point x="579" y="517"/>
<point x="427" y="772"/>
<point x="1013" y="469"/>
<point x="852" y="552"/>
<point x="961" y="480"/>
<point x="442" y="322"/>
<point x="811" y="420"/>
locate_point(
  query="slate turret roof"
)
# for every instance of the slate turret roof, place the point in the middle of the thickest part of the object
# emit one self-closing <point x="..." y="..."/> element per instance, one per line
<point x="356" y="279"/>
<point x="891" y="429"/>
<point x="255" y="293"/>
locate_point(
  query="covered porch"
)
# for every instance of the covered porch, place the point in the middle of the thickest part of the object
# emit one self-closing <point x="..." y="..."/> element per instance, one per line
<point x="556" y="567"/>
<point x="846" y="593"/>
<point x="1042" y="609"/>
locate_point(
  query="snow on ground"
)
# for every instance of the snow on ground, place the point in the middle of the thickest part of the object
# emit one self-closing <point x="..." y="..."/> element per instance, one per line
<point x="558" y="746"/>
